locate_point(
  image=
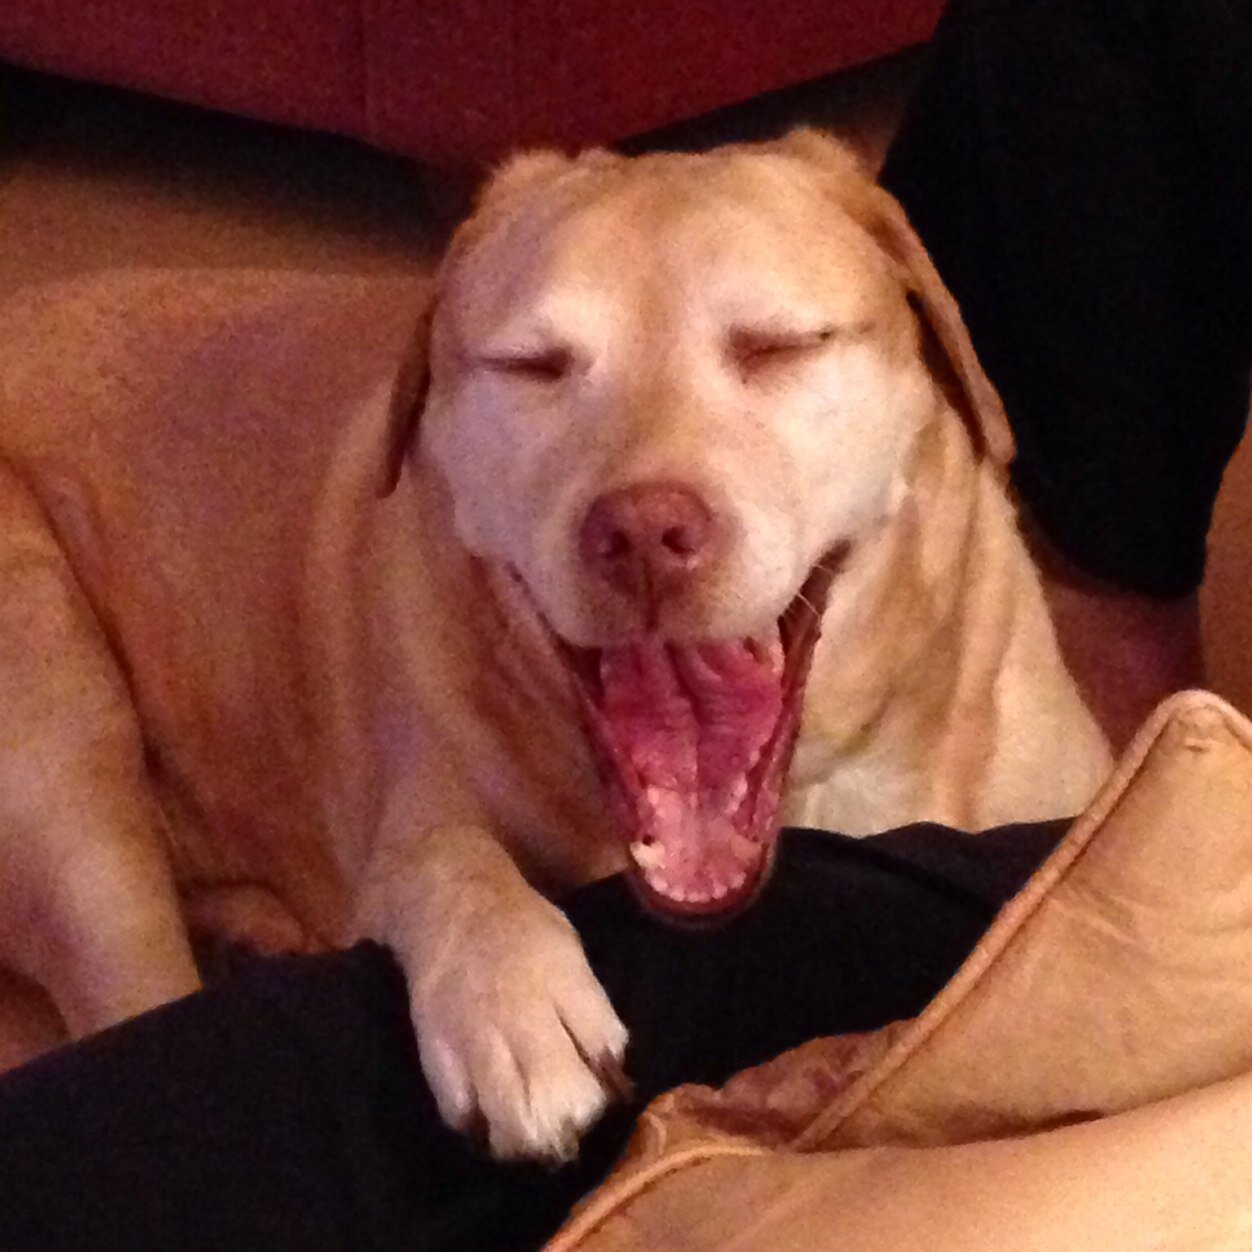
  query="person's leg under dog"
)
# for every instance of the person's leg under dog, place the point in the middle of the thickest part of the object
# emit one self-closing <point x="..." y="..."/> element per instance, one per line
<point x="286" y="1109"/>
<point x="1081" y="172"/>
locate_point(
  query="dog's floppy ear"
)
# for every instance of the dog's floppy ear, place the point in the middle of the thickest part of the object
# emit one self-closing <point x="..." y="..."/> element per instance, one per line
<point x="949" y="350"/>
<point x="405" y="404"/>
<point x="948" y="347"/>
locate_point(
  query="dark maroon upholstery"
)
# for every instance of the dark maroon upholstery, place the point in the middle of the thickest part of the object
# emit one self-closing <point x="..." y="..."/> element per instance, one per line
<point x="460" y="81"/>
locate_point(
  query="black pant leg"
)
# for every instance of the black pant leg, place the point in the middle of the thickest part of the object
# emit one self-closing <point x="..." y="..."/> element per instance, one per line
<point x="215" y="1122"/>
<point x="1080" y="170"/>
<point x="286" y="1110"/>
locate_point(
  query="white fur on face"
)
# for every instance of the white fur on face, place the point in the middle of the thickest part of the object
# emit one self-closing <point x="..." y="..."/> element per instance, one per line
<point x="647" y="280"/>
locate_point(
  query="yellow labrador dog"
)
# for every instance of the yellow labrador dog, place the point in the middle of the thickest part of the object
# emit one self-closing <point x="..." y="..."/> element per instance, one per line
<point x="684" y="517"/>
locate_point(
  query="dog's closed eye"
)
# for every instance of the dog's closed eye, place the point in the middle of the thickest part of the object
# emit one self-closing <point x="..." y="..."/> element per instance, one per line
<point x="539" y="365"/>
<point x="753" y="349"/>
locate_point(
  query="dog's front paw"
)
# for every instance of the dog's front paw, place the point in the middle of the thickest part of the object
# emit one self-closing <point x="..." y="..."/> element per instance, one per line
<point x="517" y="1038"/>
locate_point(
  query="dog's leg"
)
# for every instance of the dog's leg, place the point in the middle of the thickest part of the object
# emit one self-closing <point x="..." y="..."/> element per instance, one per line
<point x="88" y="908"/>
<point x="517" y="1038"/>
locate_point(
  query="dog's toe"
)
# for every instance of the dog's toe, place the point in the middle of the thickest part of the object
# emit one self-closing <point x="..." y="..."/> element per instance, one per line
<point x="532" y="1053"/>
<point x="545" y="1115"/>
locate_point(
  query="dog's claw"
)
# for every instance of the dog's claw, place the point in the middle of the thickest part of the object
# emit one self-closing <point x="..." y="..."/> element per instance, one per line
<point x="566" y="1148"/>
<point x="612" y="1075"/>
<point x="477" y="1132"/>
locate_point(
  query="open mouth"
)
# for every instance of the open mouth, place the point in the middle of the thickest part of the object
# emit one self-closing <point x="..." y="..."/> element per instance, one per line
<point x="694" y="741"/>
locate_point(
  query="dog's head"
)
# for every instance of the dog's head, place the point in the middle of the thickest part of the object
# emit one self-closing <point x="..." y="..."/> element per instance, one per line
<point x="669" y="396"/>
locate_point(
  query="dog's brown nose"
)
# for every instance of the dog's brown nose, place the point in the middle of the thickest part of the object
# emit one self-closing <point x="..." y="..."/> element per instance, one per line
<point x="649" y="540"/>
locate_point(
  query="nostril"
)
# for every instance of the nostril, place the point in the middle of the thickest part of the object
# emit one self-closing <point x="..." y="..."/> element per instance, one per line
<point x="680" y="540"/>
<point x="617" y="544"/>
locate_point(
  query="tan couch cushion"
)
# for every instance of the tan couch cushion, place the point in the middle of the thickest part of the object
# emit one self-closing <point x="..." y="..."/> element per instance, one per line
<point x="1120" y="976"/>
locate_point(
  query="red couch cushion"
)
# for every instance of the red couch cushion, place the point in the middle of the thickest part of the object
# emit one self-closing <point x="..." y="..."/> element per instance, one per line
<point x="292" y="61"/>
<point x="573" y="72"/>
<point x="459" y="81"/>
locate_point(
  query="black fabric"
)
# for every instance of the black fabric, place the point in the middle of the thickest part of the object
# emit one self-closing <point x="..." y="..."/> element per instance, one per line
<point x="285" y="1109"/>
<point x="1081" y="172"/>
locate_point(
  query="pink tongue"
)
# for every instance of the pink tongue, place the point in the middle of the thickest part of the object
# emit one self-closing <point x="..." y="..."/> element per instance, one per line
<point x="690" y="722"/>
<point x="691" y="719"/>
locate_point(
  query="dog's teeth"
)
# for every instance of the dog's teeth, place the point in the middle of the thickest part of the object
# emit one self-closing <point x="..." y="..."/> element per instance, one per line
<point x="654" y="796"/>
<point x="671" y="892"/>
<point x="649" y="856"/>
<point x="738" y="793"/>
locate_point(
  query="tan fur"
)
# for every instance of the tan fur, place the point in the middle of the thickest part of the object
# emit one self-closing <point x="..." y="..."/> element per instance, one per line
<point x="262" y="666"/>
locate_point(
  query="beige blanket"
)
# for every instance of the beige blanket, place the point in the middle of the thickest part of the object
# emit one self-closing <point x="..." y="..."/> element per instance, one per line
<point x="1085" y="1080"/>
